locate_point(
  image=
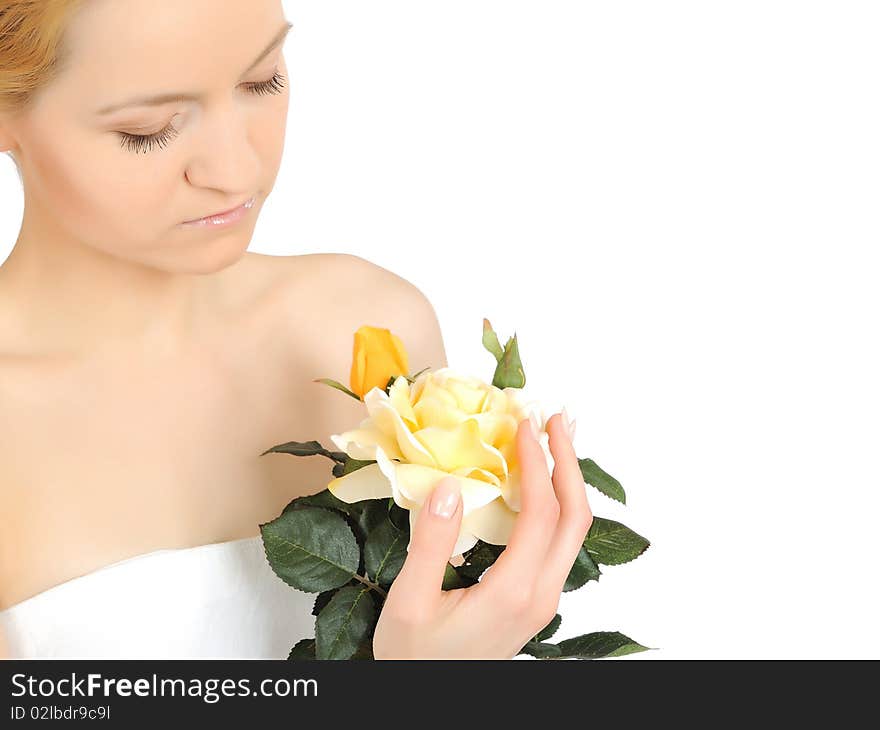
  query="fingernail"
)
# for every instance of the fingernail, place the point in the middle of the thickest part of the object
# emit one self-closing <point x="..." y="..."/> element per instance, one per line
<point x="444" y="498"/>
<point x="535" y="426"/>
<point x="568" y="423"/>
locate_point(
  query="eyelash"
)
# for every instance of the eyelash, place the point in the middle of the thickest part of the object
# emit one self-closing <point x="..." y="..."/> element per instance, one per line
<point x="144" y="143"/>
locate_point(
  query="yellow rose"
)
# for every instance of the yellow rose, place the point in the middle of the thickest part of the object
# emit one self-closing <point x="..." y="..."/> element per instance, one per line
<point x="443" y="424"/>
<point x="378" y="356"/>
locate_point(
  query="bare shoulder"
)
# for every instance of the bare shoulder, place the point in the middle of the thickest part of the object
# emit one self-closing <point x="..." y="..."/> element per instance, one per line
<point x="320" y="301"/>
<point x="338" y="293"/>
<point x="349" y="274"/>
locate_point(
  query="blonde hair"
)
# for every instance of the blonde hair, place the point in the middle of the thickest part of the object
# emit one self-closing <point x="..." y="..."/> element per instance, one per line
<point x="32" y="50"/>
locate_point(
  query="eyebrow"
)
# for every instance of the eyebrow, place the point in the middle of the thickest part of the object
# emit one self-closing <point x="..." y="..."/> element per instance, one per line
<point x="159" y="99"/>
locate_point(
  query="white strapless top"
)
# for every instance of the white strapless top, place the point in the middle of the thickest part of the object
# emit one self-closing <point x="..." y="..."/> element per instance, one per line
<point x="220" y="600"/>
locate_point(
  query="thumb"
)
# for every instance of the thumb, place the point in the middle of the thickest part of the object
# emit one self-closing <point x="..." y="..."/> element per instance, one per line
<point x="432" y="540"/>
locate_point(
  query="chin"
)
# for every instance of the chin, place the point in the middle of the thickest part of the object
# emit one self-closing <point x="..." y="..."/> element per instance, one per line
<point x="220" y="251"/>
<point x="219" y="263"/>
<point x="208" y="259"/>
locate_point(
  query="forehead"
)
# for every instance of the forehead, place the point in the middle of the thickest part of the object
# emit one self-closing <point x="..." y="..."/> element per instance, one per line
<point x="141" y="43"/>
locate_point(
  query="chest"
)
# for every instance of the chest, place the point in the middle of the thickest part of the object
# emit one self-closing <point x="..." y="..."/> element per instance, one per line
<point x="121" y="457"/>
<point x="129" y="429"/>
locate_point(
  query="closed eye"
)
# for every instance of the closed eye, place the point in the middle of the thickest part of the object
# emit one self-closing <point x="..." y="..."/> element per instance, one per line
<point x="146" y="142"/>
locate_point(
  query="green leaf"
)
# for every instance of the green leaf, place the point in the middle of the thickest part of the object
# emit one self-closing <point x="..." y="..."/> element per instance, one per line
<point x="490" y="340"/>
<point x="596" y="477"/>
<point x="478" y="558"/>
<point x="338" y="386"/>
<point x="509" y="372"/>
<point x="584" y="569"/>
<point x="303" y="649"/>
<point x="311" y="548"/>
<point x="611" y="543"/>
<point x="363" y="515"/>
<point x="540" y="650"/>
<point x="549" y="629"/>
<point x="306" y="448"/>
<point x="322" y="600"/>
<point x="349" y="465"/>
<point x="452" y="579"/>
<point x="399" y="516"/>
<point x="384" y="552"/>
<point x="344" y="623"/>
<point x="367" y="515"/>
<point x="599" y="645"/>
<point x="324" y="498"/>
<point x="364" y="651"/>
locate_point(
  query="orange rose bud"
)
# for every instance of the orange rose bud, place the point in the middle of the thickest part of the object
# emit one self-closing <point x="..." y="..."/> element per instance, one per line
<point x="378" y="355"/>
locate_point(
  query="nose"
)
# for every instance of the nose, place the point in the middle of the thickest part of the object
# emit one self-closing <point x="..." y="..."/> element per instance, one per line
<point x="223" y="155"/>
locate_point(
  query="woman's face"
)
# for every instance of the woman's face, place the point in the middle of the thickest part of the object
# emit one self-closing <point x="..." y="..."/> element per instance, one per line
<point x="88" y="178"/>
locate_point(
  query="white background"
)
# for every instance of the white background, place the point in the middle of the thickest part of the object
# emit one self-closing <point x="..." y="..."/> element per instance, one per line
<point x="675" y="206"/>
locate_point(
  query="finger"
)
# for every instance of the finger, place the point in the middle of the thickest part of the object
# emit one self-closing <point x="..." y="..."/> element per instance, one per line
<point x="525" y="554"/>
<point x="575" y="515"/>
<point x="433" y="539"/>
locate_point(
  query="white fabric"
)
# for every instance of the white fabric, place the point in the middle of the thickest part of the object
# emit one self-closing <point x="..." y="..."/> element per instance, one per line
<point x="220" y="600"/>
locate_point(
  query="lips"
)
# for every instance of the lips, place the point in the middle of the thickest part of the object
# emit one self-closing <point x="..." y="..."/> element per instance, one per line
<point x="249" y="203"/>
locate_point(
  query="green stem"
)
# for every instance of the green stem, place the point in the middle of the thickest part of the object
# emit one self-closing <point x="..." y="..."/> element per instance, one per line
<point x="370" y="584"/>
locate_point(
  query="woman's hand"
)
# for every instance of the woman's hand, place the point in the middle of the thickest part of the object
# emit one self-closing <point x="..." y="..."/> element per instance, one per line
<point x="519" y="594"/>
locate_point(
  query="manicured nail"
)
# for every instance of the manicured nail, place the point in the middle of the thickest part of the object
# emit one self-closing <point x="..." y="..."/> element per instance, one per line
<point x="444" y="499"/>
<point x="568" y="423"/>
<point x="535" y="425"/>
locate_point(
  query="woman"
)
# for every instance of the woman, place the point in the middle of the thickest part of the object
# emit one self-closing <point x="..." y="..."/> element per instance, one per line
<point x="147" y="359"/>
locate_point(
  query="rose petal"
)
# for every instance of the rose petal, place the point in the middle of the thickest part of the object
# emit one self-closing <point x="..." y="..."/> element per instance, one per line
<point x="470" y="393"/>
<point x="361" y="443"/>
<point x="415" y="390"/>
<point x="496" y="402"/>
<point x="464" y="541"/>
<point x="496" y="428"/>
<point x="480" y="475"/>
<point x="387" y="420"/>
<point x="399" y="398"/>
<point x="389" y="470"/>
<point x="433" y="410"/>
<point x="461" y="446"/>
<point x="368" y="482"/>
<point x="492" y="523"/>
<point x="414" y="483"/>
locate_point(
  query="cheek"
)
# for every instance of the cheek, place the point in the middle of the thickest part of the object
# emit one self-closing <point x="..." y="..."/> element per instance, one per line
<point x="94" y="190"/>
<point x="64" y="181"/>
<point x="269" y="134"/>
<point x="269" y="127"/>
